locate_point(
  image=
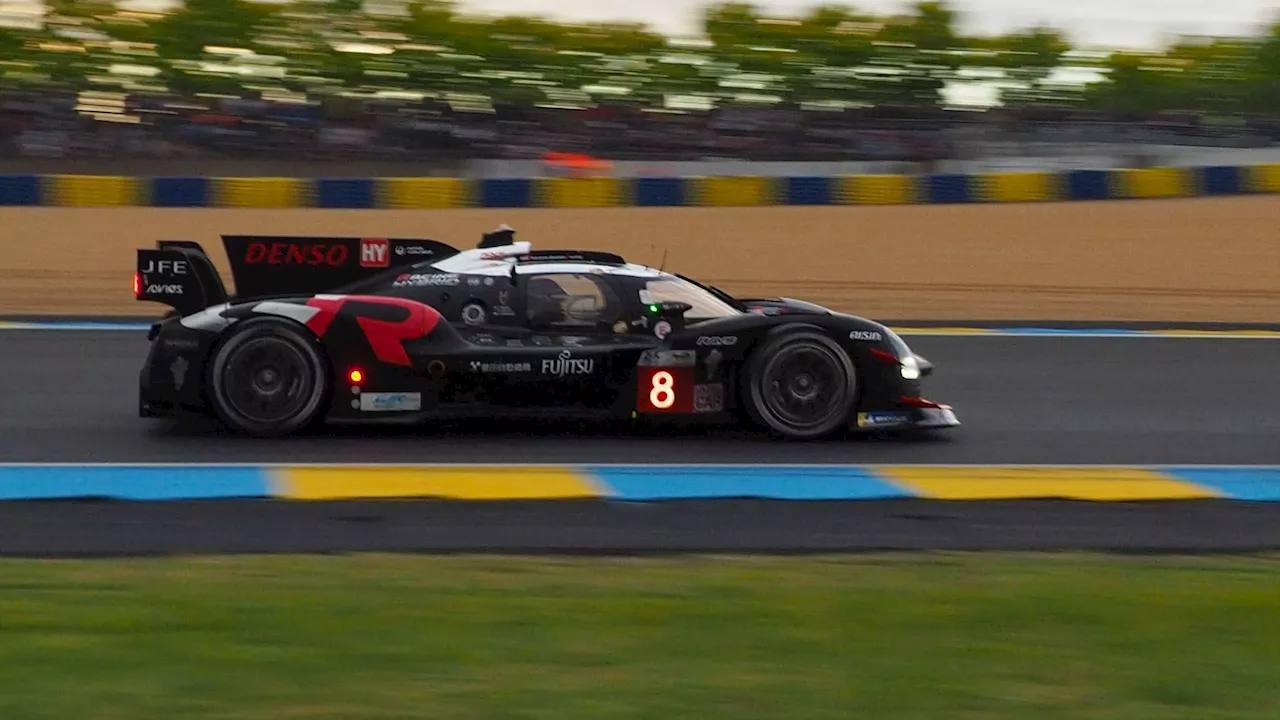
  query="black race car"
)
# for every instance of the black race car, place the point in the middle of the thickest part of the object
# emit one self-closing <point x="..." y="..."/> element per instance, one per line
<point x="340" y="329"/>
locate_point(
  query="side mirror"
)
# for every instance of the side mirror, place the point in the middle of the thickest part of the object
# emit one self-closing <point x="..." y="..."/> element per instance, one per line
<point x="669" y="309"/>
<point x="672" y="312"/>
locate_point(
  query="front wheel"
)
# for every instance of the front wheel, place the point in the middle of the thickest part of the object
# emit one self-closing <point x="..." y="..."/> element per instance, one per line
<point x="800" y="385"/>
<point x="268" y="378"/>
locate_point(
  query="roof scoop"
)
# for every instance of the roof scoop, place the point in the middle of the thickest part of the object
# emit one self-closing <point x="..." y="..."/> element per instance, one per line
<point x="502" y="236"/>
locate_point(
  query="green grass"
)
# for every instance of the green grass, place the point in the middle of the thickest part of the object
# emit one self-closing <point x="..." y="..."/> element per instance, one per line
<point x="918" y="637"/>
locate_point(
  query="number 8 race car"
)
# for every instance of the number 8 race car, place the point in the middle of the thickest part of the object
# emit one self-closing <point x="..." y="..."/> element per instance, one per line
<point x="330" y="329"/>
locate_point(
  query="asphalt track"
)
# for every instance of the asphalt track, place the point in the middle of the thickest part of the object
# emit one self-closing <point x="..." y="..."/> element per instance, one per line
<point x="71" y="397"/>
<point x="90" y="529"/>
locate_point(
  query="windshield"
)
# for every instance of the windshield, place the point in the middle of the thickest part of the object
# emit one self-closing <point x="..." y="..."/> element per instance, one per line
<point x="705" y="305"/>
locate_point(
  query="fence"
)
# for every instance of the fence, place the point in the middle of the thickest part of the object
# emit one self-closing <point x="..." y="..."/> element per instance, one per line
<point x="427" y="193"/>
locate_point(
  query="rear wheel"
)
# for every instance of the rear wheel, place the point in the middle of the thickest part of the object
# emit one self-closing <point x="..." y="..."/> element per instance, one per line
<point x="268" y="378"/>
<point x="800" y="385"/>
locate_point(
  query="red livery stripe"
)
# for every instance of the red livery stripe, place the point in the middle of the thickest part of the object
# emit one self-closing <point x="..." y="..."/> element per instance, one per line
<point x="386" y="337"/>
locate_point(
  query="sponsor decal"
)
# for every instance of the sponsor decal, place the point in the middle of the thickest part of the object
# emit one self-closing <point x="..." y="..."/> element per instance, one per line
<point x="373" y="252"/>
<point x="555" y="257"/>
<point x="179" y="371"/>
<point x="662" y="329"/>
<point x="572" y="341"/>
<point x="426" y="280"/>
<point x="882" y="419"/>
<point x="413" y="250"/>
<point x="165" y="267"/>
<point x="180" y="343"/>
<point x="646" y="297"/>
<point x="541" y="340"/>
<point x="708" y="398"/>
<point x="492" y="255"/>
<point x="287" y="253"/>
<point x="620" y="327"/>
<point x="668" y="358"/>
<point x="154" y="289"/>
<point x="515" y="342"/>
<point x="865" y="335"/>
<point x="566" y="364"/>
<point x="642" y="322"/>
<point x="713" y="364"/>
<point x="503" y="311"/>
<point x="390" y="402"/>
<point x="485" y="340"/>
<point x="718" y="340"/>
<point x="501" y="367"/>
<point x="488" y="282"/>
<point x="473" y="282"/>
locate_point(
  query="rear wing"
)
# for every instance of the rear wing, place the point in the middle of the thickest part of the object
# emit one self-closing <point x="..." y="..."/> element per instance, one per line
<point x="265" y="265"/>
<point x="180" y="274"/>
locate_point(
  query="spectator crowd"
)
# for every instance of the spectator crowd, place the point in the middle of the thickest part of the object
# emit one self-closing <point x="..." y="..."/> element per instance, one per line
<point x="107" y="125"/>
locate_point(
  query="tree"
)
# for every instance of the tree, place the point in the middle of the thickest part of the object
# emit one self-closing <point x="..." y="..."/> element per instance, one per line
<point x="1136" y="83"/>
<point x="1027" y="58"/>
<point x="826" y="53"/>
<point x="184" y="33"/>
<point x="839" y="37"/>
<point x="931" y="26"/>
<point x="1265" y="96"/>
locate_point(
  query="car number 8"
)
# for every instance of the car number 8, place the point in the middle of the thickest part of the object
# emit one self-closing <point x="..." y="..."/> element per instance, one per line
<point x="662" y="393"/>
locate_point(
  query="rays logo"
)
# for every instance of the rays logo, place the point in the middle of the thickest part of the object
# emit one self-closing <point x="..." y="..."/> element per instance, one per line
<point x="566" y="364"/>
<point x="179" y="371"/>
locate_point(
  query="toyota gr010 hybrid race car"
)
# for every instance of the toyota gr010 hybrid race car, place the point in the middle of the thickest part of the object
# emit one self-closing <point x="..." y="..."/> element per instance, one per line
<point x="333" y="329"/>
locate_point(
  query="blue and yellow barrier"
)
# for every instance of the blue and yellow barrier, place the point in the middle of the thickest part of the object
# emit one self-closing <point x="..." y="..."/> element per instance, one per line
<point x="408" y="193"/>
<point x="641" y="482"/>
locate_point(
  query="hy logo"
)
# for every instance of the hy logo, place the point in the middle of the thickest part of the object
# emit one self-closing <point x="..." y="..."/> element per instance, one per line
<point x="373" y="252"/>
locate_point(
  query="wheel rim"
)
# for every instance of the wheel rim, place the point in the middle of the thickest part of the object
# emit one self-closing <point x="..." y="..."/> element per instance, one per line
<point x="268" y="380"/>
<point x="803" y="386"/>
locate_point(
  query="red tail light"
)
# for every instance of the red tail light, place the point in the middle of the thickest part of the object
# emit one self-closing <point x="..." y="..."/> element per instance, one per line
<point x="137" y="284"/>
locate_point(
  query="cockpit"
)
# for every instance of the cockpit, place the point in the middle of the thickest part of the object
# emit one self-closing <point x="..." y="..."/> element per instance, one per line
<point x="565" y="300"/>
<point x="585" y="300"/>
<point x="704" y="305"/>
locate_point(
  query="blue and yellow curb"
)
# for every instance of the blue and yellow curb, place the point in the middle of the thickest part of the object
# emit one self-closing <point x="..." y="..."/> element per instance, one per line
<point x="438" y="193"/>
<point x="1119" y="483"/>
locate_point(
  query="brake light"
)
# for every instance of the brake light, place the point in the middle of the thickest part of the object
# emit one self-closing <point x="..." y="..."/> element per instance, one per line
<point x="355" y="376"/>
<point x="137" y="284"/>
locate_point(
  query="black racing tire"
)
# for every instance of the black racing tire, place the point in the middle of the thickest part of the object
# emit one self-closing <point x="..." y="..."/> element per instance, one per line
<point x="269" y="378"/>
<point x="800" y="385"/>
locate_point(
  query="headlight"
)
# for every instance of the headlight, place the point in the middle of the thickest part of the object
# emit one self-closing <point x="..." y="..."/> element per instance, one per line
<point x="910" y="368"/>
